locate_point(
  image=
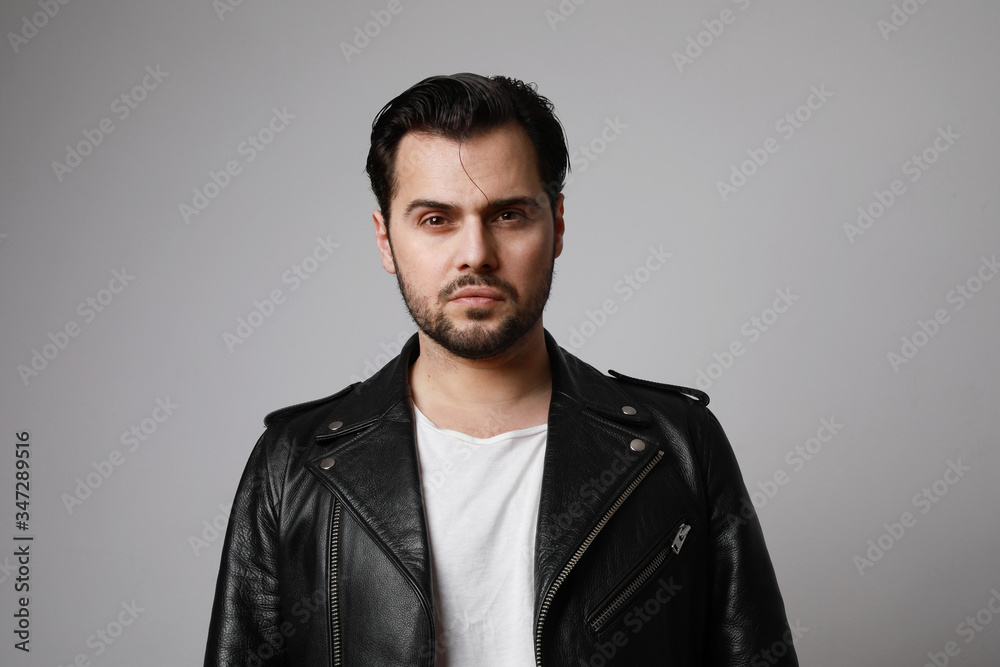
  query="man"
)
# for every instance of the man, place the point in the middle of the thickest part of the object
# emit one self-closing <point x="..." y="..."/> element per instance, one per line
<point x="488" y="498"/>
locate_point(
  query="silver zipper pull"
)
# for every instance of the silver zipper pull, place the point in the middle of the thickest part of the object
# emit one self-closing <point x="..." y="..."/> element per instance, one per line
<point x="680" y="537"/>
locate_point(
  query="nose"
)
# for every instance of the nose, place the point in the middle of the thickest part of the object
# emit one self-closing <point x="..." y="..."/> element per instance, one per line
<point x="477" y="249"/>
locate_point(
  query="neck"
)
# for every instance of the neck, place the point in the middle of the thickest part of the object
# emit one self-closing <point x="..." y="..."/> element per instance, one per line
<point x="520" y="374"/>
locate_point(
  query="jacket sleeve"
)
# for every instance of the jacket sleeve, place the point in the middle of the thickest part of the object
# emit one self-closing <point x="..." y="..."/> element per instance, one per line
<point x="747" y="622"/>
<point x="245" y="616"/>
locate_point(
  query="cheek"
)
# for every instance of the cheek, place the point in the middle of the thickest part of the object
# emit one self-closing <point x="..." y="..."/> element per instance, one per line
<point x="423" y="271"/>
<point x="541" y="251"/>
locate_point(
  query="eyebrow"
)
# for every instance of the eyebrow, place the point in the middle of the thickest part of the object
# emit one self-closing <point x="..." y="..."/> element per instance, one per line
<point x="505" y="202"/>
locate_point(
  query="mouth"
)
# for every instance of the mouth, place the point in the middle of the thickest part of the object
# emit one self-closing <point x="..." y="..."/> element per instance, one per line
<point x="476" y="301"/>
<point x="477" y="296"/>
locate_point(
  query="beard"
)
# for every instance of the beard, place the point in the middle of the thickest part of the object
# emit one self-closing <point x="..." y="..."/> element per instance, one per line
<point x="477" y="341"/>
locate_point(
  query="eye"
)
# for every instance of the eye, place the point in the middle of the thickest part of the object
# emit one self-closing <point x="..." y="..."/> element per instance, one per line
<point x="510" y="216"/>
<point x="433" y="221"/>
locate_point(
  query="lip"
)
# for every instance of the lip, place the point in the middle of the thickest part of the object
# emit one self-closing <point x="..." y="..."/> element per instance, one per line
<point x="477" y="295"/>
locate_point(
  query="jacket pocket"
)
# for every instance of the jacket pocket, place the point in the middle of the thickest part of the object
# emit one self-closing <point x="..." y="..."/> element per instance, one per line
<point x="611" y="607"/>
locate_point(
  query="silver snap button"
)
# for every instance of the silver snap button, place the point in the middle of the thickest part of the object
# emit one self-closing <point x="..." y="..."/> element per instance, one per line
<point x="637" y="445"/>
<point x="327" y="463"/>
<point x="335" y="425"/>
<point x="628" y="409"/>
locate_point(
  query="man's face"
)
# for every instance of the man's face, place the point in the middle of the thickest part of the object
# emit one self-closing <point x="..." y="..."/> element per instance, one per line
<point x="471" y="215"/>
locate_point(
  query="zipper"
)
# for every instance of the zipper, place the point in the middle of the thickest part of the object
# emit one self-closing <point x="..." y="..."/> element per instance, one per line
<point x="547" y="601"/>
<point x="334" y="612"/>
<point x="662" y="555"/>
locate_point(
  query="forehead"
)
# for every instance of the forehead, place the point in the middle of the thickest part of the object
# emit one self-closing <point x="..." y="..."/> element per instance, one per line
<point x="500" y="162"/>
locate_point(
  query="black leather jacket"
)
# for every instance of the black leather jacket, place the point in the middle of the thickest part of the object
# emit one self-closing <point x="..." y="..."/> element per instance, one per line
<point x="645" y="553"/>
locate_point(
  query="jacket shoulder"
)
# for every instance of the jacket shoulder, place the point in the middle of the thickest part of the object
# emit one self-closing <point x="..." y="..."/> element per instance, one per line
<point x="280" y="414"/>
<point x="696" y="395"/>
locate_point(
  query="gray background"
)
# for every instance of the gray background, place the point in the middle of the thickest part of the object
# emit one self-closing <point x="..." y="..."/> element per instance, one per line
<point x="652" y="182"/>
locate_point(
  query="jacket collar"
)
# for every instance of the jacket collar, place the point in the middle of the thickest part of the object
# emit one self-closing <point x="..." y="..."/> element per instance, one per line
<point x="369" y="436"/>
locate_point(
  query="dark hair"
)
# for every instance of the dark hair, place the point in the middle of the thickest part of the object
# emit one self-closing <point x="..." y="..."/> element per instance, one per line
<point x="461" y="106"/>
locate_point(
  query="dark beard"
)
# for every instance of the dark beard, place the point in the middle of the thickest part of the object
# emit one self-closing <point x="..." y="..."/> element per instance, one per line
<point x="478" y="342"/>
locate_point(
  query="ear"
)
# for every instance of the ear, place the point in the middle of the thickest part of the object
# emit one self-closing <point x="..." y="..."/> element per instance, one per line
<point x="382" y="241"/>
<point x="560" y="225"/>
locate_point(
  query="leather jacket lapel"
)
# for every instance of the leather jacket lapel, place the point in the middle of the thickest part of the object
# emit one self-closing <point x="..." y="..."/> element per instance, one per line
<point x="368" y="459"/>
<point x="590" y="460"/>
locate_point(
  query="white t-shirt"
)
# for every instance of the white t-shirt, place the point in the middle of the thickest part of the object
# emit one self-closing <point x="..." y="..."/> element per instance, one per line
<point x="481" y="500"/>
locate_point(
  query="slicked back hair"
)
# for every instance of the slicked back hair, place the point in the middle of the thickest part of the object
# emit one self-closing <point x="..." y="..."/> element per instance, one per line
<point x="459" y="107"/>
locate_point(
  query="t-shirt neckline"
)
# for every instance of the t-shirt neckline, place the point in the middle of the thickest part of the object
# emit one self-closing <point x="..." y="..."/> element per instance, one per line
<point x="499" y="437"/>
